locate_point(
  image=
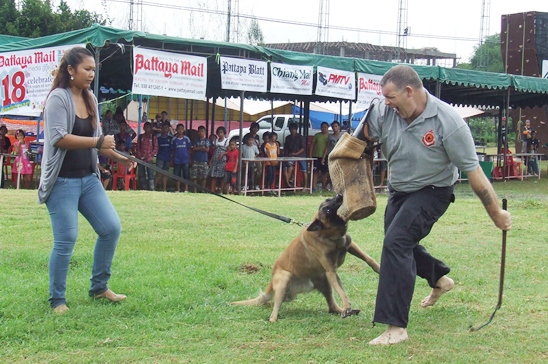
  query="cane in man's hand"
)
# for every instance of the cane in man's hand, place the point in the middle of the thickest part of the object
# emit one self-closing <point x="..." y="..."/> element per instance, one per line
<point x="501" y="281"/>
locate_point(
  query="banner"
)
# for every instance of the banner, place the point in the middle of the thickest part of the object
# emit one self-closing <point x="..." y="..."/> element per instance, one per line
<point x="158" y="73"/>
<point x="335" y="83"/>
<point x="26" y="78"/>
<point x="368" y="89"/>
<point x="243" y="74"/>
<point x="285" y="78"/>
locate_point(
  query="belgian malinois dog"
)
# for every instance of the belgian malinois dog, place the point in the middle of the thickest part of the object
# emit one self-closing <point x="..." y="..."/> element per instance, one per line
<point x="311" y="262"/>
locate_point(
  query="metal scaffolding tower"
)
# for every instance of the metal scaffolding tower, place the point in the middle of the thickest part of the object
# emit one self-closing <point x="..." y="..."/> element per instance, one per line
<point x="403" y="31"/>
<point x="483" y="55"/>
<point x="135" y="15"/>
<point x="323" y="27"/>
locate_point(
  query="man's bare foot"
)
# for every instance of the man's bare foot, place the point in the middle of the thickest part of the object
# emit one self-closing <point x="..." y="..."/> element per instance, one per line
<point x="444" y="285"/>
<point x="392" y="335"/>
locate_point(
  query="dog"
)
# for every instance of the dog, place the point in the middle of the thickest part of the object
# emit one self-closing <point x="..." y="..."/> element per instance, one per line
<point x="311" y="262"/>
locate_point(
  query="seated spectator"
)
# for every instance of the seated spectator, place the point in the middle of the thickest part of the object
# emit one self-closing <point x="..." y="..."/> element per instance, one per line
<point x="109" y="125"/>
<point x="123" y="138"/>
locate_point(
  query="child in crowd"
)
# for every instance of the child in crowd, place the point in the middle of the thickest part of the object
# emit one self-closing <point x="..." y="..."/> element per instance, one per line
<point x="180" y="149"/>
<point x="199" y="158"/>
<point x="218" y="161"/>
<point x="231" y="168"/>
<point x="123" y="139"/>
<point x="532" y="146"/>
<point x="163" y="158"/>
<point x="272" y="150"/>
<point x="147" y="148"/>
<point x="262" y="147"/>
<point x="250" y="151"/>
<point x="22" y="165"/>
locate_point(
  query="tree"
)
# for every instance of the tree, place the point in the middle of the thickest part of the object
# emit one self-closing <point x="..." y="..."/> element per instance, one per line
<point x="487" y="57"/>
<point x="255" y="34"/>
<point x="37" y="18"/>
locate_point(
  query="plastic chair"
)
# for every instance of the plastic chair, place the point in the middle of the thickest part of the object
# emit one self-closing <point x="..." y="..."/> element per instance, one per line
<point x="121" y="172"/>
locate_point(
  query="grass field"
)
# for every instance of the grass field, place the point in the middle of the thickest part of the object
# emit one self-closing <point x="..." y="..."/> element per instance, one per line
<point x="182" y="259"/>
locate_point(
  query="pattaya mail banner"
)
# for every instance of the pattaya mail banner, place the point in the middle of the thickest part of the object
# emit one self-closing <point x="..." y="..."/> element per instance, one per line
<point x="335" y="83"/>
<point x="368" y="89"/>
<point x="26" y="78"/>
<point x="289" y="79"/>
<point x="243" y="74"/>
<point x="158" y="73"/>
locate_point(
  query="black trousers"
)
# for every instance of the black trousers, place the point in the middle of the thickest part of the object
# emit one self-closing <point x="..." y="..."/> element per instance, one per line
<point x="408" y="218"/>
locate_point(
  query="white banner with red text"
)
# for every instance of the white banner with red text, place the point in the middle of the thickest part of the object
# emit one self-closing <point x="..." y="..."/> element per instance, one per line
<point x="158" y="73"/>
<point x="368" y="89"/>
<point x="26" y="78"/>
<point x="335" y="83"/>
<point x="290" y="79"/>
<point x="243" y="74"/>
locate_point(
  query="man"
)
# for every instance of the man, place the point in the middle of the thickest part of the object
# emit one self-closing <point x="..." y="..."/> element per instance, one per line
<point x="294" y="147"/>
<point x="424" y="141"/>
<point x="317" y="151"/>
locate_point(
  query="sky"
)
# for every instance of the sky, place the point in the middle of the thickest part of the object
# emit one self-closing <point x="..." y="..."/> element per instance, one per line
<point x="450" y="26"/>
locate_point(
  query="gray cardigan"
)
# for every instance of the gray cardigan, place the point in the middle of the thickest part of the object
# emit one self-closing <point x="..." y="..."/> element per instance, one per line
<point x="59" y="118"/>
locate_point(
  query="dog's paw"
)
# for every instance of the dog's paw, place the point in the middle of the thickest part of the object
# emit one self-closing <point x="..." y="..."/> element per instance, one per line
<point x="349" y="312"/>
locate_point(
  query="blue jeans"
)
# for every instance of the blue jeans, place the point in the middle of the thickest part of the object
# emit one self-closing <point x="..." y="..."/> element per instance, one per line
<point x="143" y="173"/>
<point x="87" y="196"/>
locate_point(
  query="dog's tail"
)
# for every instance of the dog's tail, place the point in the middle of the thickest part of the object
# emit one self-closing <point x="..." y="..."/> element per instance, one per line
<point x="356" y="251"/>
<point x="260" y="300"/>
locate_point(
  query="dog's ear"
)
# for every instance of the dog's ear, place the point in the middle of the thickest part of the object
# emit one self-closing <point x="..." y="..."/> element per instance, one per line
<point x="315" y="226"/>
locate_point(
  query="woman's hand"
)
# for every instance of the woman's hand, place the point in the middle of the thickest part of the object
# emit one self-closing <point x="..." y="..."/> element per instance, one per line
<point x="108" y="142"/>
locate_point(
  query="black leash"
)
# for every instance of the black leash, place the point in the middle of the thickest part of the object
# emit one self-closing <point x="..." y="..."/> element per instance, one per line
<point x="501" y="281"/>
<point x="192" y="184"/>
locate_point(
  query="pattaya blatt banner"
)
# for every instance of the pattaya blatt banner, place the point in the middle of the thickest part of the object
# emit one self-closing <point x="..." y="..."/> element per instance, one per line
<point x="368" y="89"/>
<point x="243" y="74"/>
<point x="285" y="78"/>
<point x="167" y="74"/>
<point x="335" y="83"/>
<point x="26" y="78"/>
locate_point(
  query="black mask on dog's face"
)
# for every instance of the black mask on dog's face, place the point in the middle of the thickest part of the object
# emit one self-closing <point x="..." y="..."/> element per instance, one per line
<point x="328" y="213"/>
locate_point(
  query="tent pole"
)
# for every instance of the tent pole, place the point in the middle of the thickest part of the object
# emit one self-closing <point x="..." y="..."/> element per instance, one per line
<point x="239" y="178"/>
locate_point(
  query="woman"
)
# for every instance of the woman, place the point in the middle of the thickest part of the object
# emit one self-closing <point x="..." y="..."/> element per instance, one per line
<point x="22" y="163"/>
<point x="70" y="180"/>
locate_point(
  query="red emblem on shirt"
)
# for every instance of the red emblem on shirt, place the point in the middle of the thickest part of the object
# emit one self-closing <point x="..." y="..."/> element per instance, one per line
<point x="428" y="139"/>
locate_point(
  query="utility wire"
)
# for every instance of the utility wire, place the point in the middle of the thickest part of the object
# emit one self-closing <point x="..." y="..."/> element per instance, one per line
<point x="292" y="22"/>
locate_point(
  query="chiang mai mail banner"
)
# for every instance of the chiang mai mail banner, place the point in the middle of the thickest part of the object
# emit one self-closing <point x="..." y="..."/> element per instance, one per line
<point x="368" y="89"/>
<point x="26" y="78"/>
<point x="243" y="74"/>
<point x="167" y="74"/>
<point x="290" y="79"/>
<point x="335" y="83"/>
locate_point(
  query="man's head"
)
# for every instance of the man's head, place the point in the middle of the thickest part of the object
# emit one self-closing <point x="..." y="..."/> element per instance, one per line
<point x="164" y="115"/>
<point x="402" y="88"/>
<point x="123" y="126"/>
<point x="336" y="126"/>
<point x="165" y="127"/>
<point x="250" y="141"/>
<point x="180" y="129"/>
<point x="108" y="114"/>
<point x="147" y="127"/>
<point x="528" y="123"/>
<point x="254" y="128"/>
<point x="293" y="128"/>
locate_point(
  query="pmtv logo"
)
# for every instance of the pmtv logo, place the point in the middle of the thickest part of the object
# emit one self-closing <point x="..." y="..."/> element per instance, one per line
<point x="340" y="80"/>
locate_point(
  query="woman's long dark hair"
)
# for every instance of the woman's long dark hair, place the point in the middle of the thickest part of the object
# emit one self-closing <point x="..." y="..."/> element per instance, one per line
<point x="74" y="57"/>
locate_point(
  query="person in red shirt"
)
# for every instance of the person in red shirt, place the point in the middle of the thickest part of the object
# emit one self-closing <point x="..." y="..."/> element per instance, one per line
<point x="231" y="168"/>
<point x="147" y="147"/>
